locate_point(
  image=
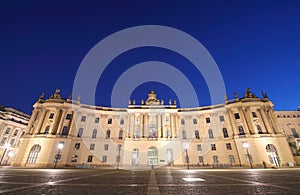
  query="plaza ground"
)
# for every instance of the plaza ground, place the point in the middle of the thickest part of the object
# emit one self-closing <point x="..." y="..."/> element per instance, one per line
<point x="157" y="181"/>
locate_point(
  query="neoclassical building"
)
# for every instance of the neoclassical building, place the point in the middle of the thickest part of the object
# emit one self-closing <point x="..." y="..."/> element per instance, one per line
<point x="13" y="124"/>
<point x="243" y="131"/>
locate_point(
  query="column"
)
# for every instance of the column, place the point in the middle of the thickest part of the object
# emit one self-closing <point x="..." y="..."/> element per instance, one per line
<point x="142" y="124"/>
<point x="265" y="121"/>
<point x="56" y="121"/>
<point x="243" y="118"/>
<point x="249" y="120"/>
<point x="40" y="121"/>
<point x="62" y="119"/>
<point x="232" y="122"/>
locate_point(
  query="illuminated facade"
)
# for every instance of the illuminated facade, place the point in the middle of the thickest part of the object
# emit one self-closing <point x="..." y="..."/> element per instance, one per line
<point x="241" y="132"/>
<point x="13" y="124"/>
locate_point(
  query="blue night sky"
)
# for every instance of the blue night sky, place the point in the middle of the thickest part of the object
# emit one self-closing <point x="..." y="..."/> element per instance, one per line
<point x="255" y="44"/>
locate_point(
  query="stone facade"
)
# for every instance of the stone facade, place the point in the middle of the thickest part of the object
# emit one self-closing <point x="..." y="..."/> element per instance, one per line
<point x="13" y="124"/>
<point x="241" y="132"/>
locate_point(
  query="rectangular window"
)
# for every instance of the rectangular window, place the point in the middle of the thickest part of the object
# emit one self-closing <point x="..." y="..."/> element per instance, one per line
<point x="225" y="133"/>
<point x="231" y="159"/>
<point x="207" y="120"/>
<point x="90" y="158"/>
<point x="104" y="158"/>
<point x="201" y="160"/>
<point x="122" y="122"/>
<point x="228" y="146"/>
<point x="213" y="147"/>
<point x="106" y="147"/>
<point x="83" y="118"/>
<point x="241" y="130"/>
<point x="74" y="158"/>
<point x="77" y="146"/>
<point x="216" y="159"/>
<point x="221" y="118"/>
<point x="182" y="121"/>
<point x="97" y="120"/>
<point x="236" y="116"/>
<point x="109" y="121"/>
<point x="92" y="146"/>
<point x="254" y="115"/>
<point x="195" y="121"/>
<point x="51" y="116"/>
<point x="294" y="132"/>
<point x="7" y="130"/>
<point x="12" y="141"/>
<point x="69" y="116"/>
<point x="16" y="132"/>
<point x="3" y="140"/>
<point x="199" y="147"/>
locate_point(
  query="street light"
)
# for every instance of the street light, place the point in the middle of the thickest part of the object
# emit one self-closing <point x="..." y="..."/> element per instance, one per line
<point x="246" y="146"/>
<point x="6" y="146"/>
<point x="57" y="156"/>
<point x="186" y="145"/>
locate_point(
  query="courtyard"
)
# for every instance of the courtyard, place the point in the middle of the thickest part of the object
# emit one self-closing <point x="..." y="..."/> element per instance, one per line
<point x="157" y="181"/>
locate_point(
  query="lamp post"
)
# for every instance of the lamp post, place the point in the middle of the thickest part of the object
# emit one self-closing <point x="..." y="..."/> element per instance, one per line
<point x="246" y="146"/>
<point x="57" y="156"/>
<point x="187" y="155"/>
<point x="6" y="146"/>
<point x="118" y="158"/>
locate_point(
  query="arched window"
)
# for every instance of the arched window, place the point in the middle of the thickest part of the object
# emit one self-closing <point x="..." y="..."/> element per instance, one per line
<point x="197" y="136"/>
<point x="152" y="131"/>
<point x="273" y="155"/>
<point x="80" y="131"/>
<point x="259" y="129"/>
<point x="183" y="134"/>
<point x="94" y="135"/>
<point x="152" y="156"/>
<point x="241" y="130"/>
<point x="47" y="130"/>
<point x="121" y="134"/>
<point x="225" y="133"/>
<point x="107" y="134"/>
<point x="65" y="130"/>
<point x="167" y="133"/>
<point x="34" y="154"/>
<point x="210" y="134"/>
<point x="137" y="132"/>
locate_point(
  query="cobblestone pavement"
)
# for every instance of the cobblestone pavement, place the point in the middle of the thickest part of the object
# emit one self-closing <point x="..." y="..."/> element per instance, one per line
<point x="163" y="181"/>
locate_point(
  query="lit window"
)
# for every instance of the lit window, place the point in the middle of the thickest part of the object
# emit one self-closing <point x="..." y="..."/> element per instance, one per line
<point x="33" y="154"/>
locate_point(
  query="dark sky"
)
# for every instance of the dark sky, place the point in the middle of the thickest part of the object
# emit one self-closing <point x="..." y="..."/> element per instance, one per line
<point x="255" y="44"/>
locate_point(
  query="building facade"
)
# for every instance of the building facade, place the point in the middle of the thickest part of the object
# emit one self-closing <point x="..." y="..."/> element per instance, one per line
<point x="240" y="132"/>
<point x="13" y="124"/>
<point x="289" y="121"/>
